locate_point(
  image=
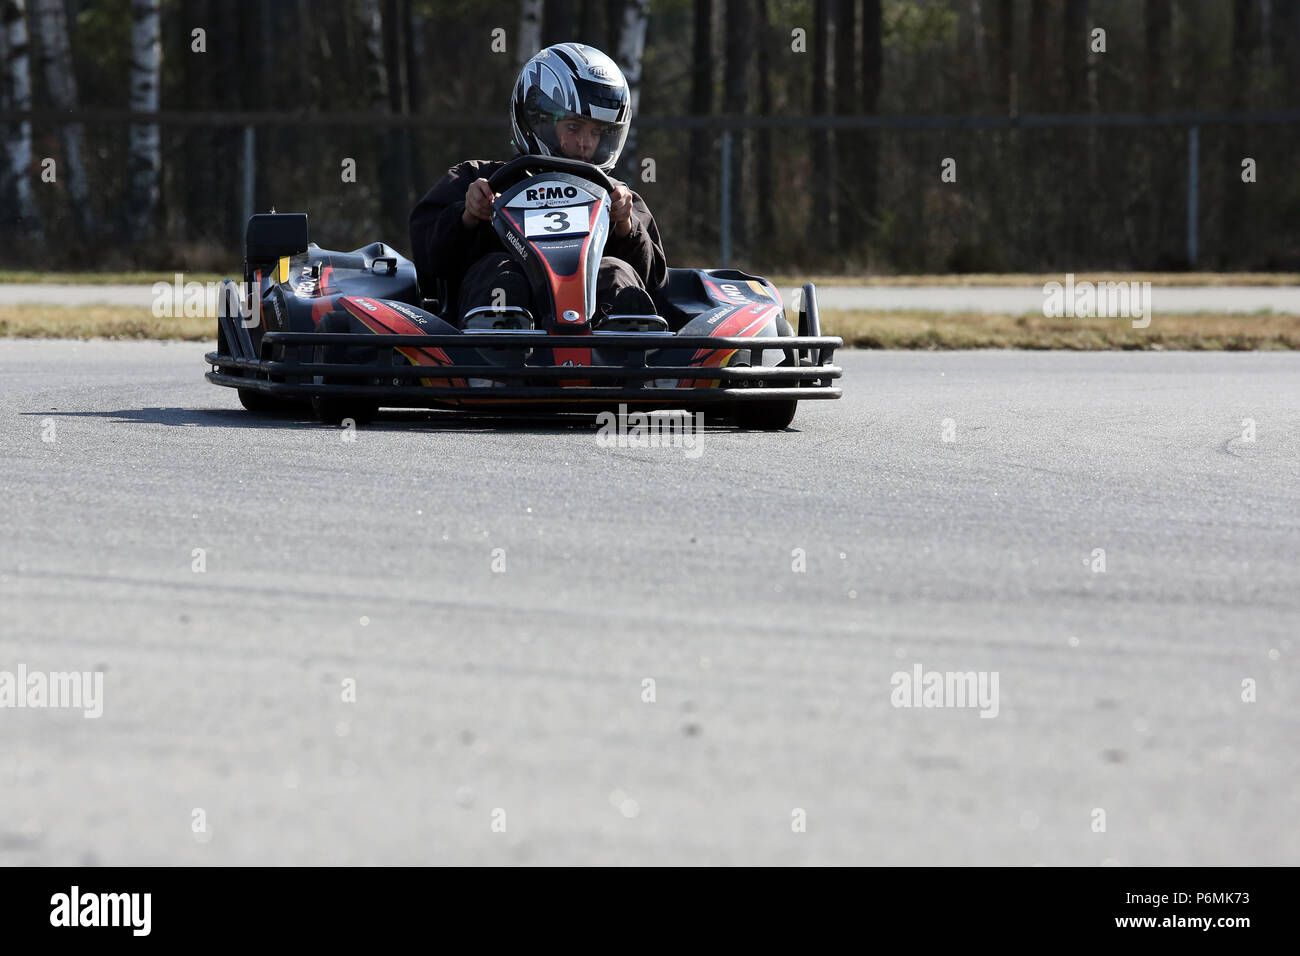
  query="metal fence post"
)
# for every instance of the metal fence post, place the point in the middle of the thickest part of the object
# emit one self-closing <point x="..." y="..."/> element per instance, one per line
<point x="1193" y="190"/>
<point x="248" y="179"/>
<point x="724" y="227"/>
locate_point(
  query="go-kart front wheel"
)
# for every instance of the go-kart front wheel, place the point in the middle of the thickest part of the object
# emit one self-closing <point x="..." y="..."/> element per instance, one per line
<point x="769" y="416"/>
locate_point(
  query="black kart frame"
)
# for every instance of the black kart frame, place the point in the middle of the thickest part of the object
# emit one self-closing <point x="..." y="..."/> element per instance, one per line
<point x="278" y="367"/>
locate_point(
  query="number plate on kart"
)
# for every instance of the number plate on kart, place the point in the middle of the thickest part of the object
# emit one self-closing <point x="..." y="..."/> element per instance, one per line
<point x="566" y="221"/>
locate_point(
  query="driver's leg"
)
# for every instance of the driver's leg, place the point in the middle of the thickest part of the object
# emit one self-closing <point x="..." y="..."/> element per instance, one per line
<point x="494" y="280"/>
<point x="618" y="280"/>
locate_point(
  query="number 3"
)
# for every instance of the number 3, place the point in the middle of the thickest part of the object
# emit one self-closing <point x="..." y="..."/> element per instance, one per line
<point x="561" y="221"/>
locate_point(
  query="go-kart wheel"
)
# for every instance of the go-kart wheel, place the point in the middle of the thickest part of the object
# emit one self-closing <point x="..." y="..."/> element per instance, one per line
<point x="769" y="416"/>
<point x="333" y="411"/>
<point x="263" y="403"/>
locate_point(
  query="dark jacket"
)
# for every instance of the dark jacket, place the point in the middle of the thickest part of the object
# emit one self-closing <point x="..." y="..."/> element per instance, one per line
<point x="444" y="249"/>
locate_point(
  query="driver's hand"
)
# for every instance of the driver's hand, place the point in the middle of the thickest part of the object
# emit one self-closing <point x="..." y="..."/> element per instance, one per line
<point x="620" y="210"/>
<point x="478" y="203"/>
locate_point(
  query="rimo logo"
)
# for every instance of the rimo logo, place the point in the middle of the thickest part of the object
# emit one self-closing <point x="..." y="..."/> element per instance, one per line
<point x="550" y="192"/>
<point x="102" y="909"/>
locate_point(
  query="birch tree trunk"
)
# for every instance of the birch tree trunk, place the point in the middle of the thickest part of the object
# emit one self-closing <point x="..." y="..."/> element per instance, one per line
<point x="384" y="154"/>
<point x="61" y="83"/>
<point x="5" y="133"/>
<point x="530" y="31"/>
<point x="18" y="139"/>
<point x="873" y="75"/>
<point x="764" y="173"/>
<point x="738" y="50"/>
<point x="144" y="152"/>
<point x="702" y="214"/>
<point x="819" y="55"/>
<point x="372" y="31"/>
<point x="631" y="47"/>
<point x="397" y="168"/>
<point x="847" y="103"/>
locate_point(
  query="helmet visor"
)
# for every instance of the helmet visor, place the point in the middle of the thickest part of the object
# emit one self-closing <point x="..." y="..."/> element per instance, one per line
<point x="573" y="135"/>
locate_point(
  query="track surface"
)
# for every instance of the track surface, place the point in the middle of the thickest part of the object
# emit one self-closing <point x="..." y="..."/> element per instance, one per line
<point x="1001" y="299"/>
<point x="522" y="690"/>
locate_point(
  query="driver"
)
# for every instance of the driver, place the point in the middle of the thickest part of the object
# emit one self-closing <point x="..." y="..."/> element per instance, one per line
<point x="570" y="100"/>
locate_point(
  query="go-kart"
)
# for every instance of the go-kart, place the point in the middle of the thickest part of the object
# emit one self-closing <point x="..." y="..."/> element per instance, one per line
<point x="352" y="332"/>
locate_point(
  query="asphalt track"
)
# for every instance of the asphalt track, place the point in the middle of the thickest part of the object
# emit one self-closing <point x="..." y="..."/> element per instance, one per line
<point x="523" y="690"/>
<point x="1015" y="300"/>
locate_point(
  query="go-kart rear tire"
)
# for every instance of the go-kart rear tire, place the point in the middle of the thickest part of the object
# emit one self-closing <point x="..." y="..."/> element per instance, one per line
<point x="262" y="403"/>
<point x="333" y="411"/>
<point x="768" y="416"/>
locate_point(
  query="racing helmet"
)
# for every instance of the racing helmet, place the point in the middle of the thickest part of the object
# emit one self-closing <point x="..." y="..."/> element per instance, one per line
<point x="570" y="79"/>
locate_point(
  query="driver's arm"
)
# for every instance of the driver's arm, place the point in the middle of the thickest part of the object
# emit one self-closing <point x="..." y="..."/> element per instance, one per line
<point x="641" y="248"/>
<point x="442" y="245"/>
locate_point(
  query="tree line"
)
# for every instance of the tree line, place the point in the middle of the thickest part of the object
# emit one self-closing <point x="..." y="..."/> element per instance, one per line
<point x="159" y="193"/>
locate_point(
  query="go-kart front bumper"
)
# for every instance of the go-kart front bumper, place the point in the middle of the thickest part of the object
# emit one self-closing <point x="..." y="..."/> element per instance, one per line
<point x="289" y="367"/>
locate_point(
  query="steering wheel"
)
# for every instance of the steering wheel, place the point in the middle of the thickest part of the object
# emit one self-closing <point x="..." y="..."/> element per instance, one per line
<point x="517" y="169"/>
